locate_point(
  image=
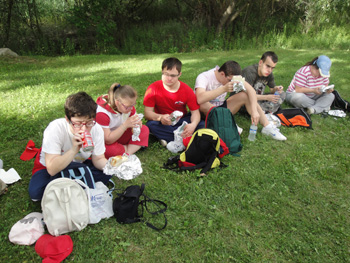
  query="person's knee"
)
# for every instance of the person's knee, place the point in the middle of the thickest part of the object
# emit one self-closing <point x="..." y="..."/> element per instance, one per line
<point x="239" y="97"/>
<point x="235" y="102"/>
<point x="35" y="193"/>
<point x="296" y="98"/>
<point x="152" y="126"/>
<point x="145" y="130"/>
<point x="330" y="96"/>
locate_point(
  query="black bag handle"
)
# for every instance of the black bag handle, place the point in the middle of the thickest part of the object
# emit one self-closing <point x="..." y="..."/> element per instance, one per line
<point x="144" y="202"/>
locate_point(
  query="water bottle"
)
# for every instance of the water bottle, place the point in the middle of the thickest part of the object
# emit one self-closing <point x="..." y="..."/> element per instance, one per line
<point x="280" y="99"/>
<point x="272" y="107"/>
<point x="252" y="132"/>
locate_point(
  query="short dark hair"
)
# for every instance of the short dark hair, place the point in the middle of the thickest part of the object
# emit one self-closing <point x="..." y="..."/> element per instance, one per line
<point x="231" y="68"/>
<point x="270" y="54"/>
<point x="80" y="105"/>
<point x="170" y="63"/>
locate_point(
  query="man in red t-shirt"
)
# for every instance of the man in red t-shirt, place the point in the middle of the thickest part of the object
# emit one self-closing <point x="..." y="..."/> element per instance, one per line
<point x="166" y="96"/>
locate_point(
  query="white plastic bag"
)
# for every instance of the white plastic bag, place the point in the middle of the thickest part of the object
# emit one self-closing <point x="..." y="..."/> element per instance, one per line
<point x="273" y="119"/>
<point x="177" y="145"/>
<point x="10" y="176"/>
<point x="101" y="203"/>
<point x="337" y="113"/>
<point x="136" y="130"/>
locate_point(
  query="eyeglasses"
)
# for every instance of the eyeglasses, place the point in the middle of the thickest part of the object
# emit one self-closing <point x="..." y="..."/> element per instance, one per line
<point x="88" y="124"/>
<point x="170" y="75"/>
<point x="127" y="107"/>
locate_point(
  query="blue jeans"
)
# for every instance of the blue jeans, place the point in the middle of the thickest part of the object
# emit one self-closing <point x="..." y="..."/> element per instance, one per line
<point x="166" y="132"/>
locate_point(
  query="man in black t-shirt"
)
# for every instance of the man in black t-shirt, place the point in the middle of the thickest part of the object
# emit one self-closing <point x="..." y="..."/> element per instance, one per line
<point x="260" y="75"/>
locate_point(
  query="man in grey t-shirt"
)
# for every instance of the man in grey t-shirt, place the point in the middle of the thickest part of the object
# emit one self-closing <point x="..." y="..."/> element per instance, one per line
<point x="260" y="75"/>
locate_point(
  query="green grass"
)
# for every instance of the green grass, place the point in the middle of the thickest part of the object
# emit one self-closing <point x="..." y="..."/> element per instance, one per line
<point x="277" y="202"/>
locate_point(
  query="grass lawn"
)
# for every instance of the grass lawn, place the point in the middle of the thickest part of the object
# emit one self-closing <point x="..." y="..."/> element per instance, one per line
<point x="278" y="202"/>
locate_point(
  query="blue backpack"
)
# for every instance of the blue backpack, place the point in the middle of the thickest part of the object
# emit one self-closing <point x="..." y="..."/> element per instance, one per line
<point x="223" y="122"/>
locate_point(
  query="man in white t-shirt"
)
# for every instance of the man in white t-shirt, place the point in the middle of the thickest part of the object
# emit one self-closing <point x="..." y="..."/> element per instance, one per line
<point x="62" y="145"/>
<point x="212" y="87"/>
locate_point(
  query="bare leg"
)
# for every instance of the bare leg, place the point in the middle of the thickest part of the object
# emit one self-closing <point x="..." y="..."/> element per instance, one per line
<point x="205" y="107"/>
<point x="132" y="148"/>
<point x="235" y="102"/>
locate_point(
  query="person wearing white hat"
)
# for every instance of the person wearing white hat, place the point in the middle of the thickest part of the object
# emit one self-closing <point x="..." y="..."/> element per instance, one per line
<point x="309" y="87"/>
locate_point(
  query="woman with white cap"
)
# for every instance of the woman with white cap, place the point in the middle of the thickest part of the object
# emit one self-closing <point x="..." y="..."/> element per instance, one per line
<point x="308" y="86"/>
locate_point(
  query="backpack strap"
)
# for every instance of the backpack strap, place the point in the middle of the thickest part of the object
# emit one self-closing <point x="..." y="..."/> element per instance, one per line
<point x="209" y="163"/>
<point x="206" y="117"/>
<point x="79" y="171"/>
<point x="172" y="163"/>
<point x="158" y="203"/>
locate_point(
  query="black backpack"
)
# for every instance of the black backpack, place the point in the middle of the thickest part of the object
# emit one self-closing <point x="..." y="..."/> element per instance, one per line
<point x="202" y="152"/>
<point x="294" y="117"/>
<point x="339" y="102"/>
<point x="127" y="206"/>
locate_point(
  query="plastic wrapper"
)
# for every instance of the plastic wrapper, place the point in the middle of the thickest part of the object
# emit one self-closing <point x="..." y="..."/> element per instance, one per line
<point x="238" y="86"/>
<point x="127" y="170"/>
<point x="9" y="177"/>
<point x="337" y="113"/>
<point x="273" y="119"/>
<point x="177" y="145"/>
<point x="269" y="106"/>
<point x="175" y="116"/>
<point x="136" y="130"/>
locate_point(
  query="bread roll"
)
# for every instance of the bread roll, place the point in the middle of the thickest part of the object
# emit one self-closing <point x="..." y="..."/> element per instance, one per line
<point x="238" y="78"/>
<point x="118" y="160"/>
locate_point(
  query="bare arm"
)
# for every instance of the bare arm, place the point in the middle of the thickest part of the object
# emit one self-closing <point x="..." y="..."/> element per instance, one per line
<point x="308" y="90"/>
<point x="56" y="162"/>
<point x="269" y="97"/>
<point x="99" y="161"/>
<point x="190" y="128"/>
<point x="152" y="116"/>
<point x="112" y="136"/>
<point x="205" y="96"/>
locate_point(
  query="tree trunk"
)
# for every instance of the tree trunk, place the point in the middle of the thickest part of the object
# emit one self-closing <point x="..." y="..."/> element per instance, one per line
<point x="226" y="15"/>
<point x="8" y="24"/>
<point x="229" y="16"/>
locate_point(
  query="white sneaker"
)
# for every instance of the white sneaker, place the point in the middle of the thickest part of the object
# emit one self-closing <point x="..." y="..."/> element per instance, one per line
<point x="310" y="111"/>
<point x="274" y="132"/>
<point x="240" y="130"/>
<point x="163" y="142"/>
<point x="175" y="147"/>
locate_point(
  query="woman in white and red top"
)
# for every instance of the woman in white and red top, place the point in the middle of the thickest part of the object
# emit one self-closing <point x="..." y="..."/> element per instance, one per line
<point x="305" y="90"/>
<point x="116" y="114"/>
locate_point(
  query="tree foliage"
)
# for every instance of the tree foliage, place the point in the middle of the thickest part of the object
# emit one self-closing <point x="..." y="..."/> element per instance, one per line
<point x="68" y="26"/>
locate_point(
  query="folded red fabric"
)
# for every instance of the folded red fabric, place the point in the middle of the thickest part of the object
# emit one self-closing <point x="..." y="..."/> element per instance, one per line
<point x="29" y="152"/>
<point x="54" y="249"/>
